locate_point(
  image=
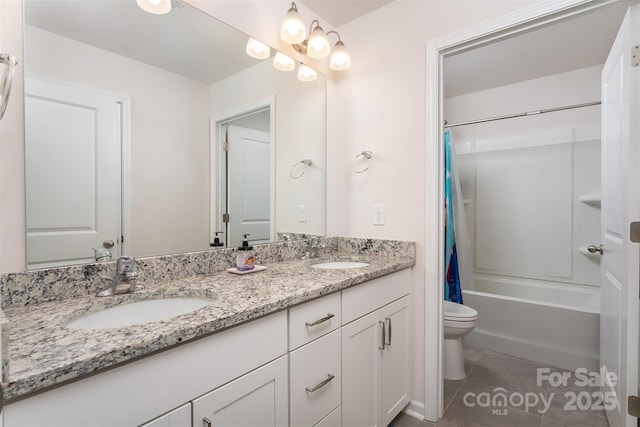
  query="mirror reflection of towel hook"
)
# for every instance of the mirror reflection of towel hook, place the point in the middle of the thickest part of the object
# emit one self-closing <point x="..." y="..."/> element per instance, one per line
<point x="368" y="155"/>
<point x="307" y="164"/>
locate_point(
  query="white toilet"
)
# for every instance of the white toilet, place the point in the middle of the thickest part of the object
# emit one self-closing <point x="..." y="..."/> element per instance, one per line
<point x="459" y="320"/>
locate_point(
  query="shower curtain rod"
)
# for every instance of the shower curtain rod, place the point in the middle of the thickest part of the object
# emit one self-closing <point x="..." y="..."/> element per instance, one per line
<point x="528" y="113"/>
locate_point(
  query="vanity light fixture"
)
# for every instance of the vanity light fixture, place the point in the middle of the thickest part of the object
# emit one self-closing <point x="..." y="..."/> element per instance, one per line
<point x="306" y="74"/>
<point x="257" y="49"/>
<point x="157" y="7"/>
<point x="317" y="46"/>
<point x="283" y="63"/>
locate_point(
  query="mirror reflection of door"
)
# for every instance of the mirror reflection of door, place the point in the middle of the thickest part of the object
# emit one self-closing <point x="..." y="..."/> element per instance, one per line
<point x="73" y="176"/>
<point x="248" y="172"/>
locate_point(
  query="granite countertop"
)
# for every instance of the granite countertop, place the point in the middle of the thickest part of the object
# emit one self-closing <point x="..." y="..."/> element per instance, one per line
<point x="43" y="353"/>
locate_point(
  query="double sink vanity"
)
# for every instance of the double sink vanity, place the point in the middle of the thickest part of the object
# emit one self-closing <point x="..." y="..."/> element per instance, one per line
<point x="297" y="343"/>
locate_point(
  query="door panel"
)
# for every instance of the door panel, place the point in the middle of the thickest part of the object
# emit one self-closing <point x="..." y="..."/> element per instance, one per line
<point x="620" y="205"/>
<point x="73" y="170"/>
<point x="249" y="186"/>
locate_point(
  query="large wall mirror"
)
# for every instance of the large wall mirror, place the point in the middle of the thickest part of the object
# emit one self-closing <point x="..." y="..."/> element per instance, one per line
<point x="127" y="116"/>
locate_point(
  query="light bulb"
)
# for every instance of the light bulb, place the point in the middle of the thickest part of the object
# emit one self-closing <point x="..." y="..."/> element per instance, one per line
<point x="340" y="59"/>
<point x="318" y="44"/>
<point x="257" y="49"/>
<point x="283" y="63"/>
<point x="306" y="74"/>
<point x="292" y="30"/>
<point x="158" y="7"/>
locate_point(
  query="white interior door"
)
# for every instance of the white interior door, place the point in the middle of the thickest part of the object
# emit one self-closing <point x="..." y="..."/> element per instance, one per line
<point x="249" y="185"/>
<point x="620" y="206"/>
<point x="73" y="173"/>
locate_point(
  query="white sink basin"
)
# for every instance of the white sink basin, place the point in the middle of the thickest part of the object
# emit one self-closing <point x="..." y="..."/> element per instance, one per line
<point x="339" y="265"/>
<point x="139" y="313"/>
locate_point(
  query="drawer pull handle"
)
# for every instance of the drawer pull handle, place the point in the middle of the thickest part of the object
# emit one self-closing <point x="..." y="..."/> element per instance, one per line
<point x="383" y="341"/>
<point x="322" y="320"/>
<point x="206" y="421"/>
<point x="321" y="384"/>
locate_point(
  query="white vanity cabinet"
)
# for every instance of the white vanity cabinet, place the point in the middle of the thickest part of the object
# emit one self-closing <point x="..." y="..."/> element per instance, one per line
<point x="375" y="350"/>
<point x="315" y="362"/>
<point x="179" y="417"/>
<point x="260" y="398"/>
<point x="138" y="392"/>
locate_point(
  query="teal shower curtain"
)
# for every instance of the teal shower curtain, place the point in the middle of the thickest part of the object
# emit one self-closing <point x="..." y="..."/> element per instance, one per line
<point x="452" y="290"/>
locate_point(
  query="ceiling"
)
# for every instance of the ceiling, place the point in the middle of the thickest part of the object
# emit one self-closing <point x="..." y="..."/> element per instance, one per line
<point x="120" y="26"/>
<point x="338" y="12"/>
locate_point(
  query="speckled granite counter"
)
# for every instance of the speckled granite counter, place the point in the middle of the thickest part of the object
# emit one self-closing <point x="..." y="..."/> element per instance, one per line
<point x="43" y="353"/>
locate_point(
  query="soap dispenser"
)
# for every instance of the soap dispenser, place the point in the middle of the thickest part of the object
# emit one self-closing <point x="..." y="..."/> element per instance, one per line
<point x="245" y="260"/>
<point x="216" y="240"/>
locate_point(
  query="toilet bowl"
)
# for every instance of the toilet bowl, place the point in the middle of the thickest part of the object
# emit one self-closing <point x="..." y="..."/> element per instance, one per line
<point x="459" y="320"/>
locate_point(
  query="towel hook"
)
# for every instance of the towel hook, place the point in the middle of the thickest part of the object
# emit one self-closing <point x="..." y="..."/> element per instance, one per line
<point x="365" y="155"/>
<point x="307" y="164"/>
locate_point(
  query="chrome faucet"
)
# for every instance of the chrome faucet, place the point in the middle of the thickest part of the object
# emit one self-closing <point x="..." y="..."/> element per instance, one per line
<point x="314" y="248"/>
<point x="125" y="279"/>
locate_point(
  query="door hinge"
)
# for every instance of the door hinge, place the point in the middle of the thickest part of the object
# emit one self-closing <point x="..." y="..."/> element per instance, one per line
<point x="633" y="406"/>
<point x="635" y="55"/>
<point x="225" y="217"/>
<point x="225" y="146"/>
<point x="634" y="232"/>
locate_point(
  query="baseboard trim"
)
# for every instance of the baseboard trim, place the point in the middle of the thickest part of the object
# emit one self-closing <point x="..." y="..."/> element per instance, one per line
<point x="415" y="409"/>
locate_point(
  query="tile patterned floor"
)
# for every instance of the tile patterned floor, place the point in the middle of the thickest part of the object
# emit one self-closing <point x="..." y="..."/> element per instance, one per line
<point x="528" y="404"/>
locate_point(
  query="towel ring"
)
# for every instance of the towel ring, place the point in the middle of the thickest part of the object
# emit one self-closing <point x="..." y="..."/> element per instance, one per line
<point x="368" y="155"/>
<point x="307" y="164"/>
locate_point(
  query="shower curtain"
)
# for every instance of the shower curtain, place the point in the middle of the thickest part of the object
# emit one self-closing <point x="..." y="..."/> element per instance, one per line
<point x="456" y="253"/>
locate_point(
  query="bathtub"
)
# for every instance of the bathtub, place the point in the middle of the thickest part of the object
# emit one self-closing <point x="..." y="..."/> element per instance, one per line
<point x="549" y="323"/>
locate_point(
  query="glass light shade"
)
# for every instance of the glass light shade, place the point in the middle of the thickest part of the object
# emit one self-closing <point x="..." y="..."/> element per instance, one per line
<point x="158" y="7"/>
<point x="340" y="59"/>
<point x="306" y="74"/>
<point x="318" y="44"/>
<point x="283" y="63"/>
<point x="258" y="50"/>
<point x="293" y="30"/>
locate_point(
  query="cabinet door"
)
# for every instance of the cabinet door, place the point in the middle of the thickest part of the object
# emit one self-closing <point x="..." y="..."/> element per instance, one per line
<point x="259" y="398"/>
<point x="395" y="366"/>
<point x="361" y="340"/>
<point x="179" y="417"/>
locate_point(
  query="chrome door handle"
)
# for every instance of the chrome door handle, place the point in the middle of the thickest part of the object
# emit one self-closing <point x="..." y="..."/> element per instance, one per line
<point x="321" y="384"/>
<point x="321" y="320"/>
<point x="593" y="249"/>
<point x="384" y="338"/>
<point x="206" y="421"/>
<point x="7" y="78"/>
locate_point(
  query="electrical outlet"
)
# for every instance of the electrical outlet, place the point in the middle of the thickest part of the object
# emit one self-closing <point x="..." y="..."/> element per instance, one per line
<point x="302" y="213"/>
<point x="378" y="214"/>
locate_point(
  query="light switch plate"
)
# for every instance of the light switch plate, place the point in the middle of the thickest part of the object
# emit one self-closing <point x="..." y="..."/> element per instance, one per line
<point x="378" y="214"/>
<point x="302" y="213"/>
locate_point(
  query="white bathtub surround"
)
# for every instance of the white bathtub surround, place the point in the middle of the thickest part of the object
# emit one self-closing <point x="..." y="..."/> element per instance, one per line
<point x="549" y="323"/>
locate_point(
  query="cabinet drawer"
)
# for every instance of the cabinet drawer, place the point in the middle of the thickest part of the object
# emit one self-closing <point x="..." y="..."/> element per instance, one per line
<point x="313" y="319"/>
<point x="334" y="419"/>
<point x="364" y="298"/>
<point x="311" y="367"/>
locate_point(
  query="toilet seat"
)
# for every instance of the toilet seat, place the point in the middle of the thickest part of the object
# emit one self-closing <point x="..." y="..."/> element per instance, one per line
<point x="459" y="313"/>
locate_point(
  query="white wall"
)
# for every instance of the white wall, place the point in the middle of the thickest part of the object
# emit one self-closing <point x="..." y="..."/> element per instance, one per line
<point x="169" y="138"/>
<point x="523" y="177"/>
